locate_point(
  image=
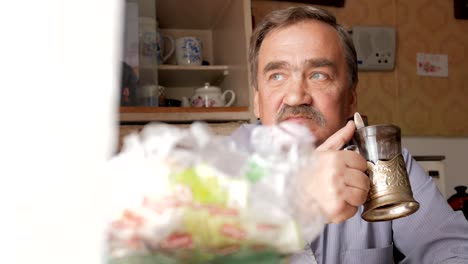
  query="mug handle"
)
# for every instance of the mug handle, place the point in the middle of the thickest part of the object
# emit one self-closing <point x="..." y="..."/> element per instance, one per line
<point x="352" y="148"/>
<point x="171" y="50"/>
<point x="233" y="97"/>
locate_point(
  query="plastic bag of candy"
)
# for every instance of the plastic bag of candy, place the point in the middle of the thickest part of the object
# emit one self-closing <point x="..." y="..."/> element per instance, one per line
<point x="189" y="196"/>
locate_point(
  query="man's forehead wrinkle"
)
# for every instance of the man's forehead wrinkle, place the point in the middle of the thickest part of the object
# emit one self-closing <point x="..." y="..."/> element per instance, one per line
<point x="307" y="63"/>
<point x="319" y="62"/>
<point x="274" y="65"/>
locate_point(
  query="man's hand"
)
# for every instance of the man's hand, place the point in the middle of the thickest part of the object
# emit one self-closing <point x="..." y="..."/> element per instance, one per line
<point x="336" y="178"/>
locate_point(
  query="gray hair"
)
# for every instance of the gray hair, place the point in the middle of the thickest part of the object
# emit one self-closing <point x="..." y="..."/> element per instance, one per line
<point x="290" y="16"/>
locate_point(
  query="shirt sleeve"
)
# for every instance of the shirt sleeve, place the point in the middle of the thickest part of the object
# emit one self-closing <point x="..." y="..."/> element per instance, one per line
<point x="435" y="233"/>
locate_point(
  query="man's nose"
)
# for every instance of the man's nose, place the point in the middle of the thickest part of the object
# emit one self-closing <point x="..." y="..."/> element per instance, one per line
<point x="297" y="93"/>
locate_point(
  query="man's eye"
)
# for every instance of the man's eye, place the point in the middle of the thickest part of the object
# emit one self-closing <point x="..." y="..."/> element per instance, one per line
<point x="276" y="77"/>
<point x="318" y="76"/>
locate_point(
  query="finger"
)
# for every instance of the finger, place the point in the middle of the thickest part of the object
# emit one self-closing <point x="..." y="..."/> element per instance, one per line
<point x="357" y="179"/>
<point x="355" y="196"/>
<point x="354" y="160"/>
<point x="340" y="138"/>
<point x="345" y="212"/>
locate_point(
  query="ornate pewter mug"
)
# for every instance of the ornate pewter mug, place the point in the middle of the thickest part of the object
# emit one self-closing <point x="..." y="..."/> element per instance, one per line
<point x="390" y="196"/>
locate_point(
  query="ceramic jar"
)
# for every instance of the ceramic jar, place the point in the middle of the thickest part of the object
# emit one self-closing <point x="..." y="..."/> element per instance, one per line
<point x="211" y="96"/>
<point x="459" y="201"/>
<point x="456" y="200"/>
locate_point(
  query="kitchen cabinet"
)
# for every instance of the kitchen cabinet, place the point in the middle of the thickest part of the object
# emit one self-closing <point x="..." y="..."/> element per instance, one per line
<point x="224" y="28"/>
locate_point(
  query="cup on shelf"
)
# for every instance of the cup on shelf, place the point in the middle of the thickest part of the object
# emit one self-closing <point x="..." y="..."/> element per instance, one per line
<point x="154" y="46"/>
<point x="148" y="95"/>
<point x="147" y="45"/>
<point x="165" y="46"/>
<point x="185" y="102"/>
<point x="188" y="51"/>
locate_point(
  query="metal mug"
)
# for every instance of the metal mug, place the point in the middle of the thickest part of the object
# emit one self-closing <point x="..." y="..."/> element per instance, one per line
<point x="390" y="196"/>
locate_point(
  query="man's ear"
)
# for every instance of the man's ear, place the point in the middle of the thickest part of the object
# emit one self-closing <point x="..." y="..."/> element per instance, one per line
<point x="353" y="101"/>
<point x="256" y="103"/>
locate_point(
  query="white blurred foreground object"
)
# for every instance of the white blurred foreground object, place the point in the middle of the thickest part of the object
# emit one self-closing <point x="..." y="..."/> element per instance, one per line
<point x="60" y="73"/>
<point x="186" y="194"/>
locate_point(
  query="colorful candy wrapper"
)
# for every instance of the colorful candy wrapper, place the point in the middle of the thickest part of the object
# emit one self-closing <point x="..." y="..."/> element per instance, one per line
<point x="189" y="196"/>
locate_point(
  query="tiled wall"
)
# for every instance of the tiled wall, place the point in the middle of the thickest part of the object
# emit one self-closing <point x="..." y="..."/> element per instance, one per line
<point x="421" y="106"/>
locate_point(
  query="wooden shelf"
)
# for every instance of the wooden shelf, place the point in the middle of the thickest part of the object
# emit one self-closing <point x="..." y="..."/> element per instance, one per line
<point x="184" y="114"/>
<point x="196" y="75"/>
<point x="170" y="67"/>
<point x="200" y="14"/>
<point x="220" y="25"/>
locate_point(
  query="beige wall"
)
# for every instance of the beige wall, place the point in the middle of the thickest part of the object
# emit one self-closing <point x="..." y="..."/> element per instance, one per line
<point x="422" y="106"/>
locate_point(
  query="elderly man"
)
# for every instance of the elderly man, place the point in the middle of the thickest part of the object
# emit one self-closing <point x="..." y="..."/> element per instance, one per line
<point x="304" y="70"/>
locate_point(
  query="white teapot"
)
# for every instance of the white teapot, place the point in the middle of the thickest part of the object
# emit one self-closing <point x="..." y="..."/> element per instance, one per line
<point x="211" y="96"/>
